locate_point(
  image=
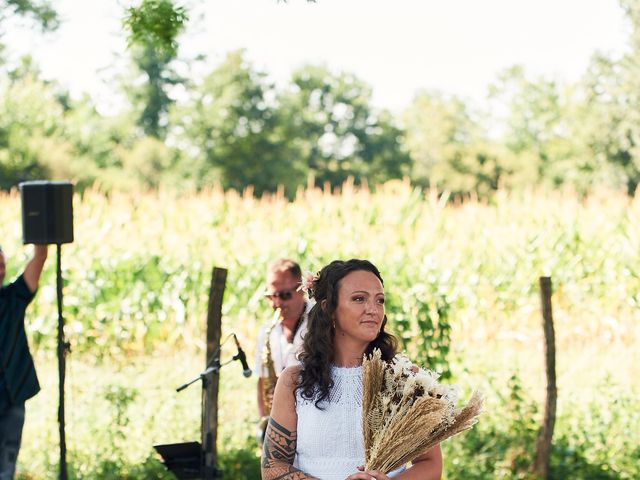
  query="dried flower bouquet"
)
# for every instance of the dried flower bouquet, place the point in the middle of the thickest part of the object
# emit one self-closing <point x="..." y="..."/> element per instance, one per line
<point x="406" y="411"/>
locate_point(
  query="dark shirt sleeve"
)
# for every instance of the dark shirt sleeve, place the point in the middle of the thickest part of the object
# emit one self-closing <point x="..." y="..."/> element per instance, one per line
<point x="18" y="291"/>
<point x="18" y="379"/>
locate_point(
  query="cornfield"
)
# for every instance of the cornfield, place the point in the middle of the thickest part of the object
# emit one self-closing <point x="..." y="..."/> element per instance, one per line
<point x="461" y="278"/>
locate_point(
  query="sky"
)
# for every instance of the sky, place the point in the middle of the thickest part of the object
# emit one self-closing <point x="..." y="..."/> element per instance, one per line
<point x="397" y="46"/>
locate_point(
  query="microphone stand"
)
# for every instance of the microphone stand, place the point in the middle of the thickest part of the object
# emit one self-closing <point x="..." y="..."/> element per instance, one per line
<point x="202" y="376"/>
<point x="213" y="367"/>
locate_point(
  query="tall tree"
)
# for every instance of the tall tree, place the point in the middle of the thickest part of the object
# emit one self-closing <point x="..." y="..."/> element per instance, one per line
<point x="337" y="131"/>
<point x="153" y="28"/>
<point x="231" y="131"/>
<point x="543" y="128"/>
<point x="450" y="146"/>
<point x="614" y="98"/>
<point x="31" y="134"/>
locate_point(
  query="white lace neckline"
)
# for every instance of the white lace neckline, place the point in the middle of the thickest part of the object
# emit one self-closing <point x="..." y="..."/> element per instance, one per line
<point x="345" y="371"/>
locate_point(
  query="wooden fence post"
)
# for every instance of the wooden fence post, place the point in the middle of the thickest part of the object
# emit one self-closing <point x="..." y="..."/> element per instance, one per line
<point x="209" y="425"/>
<point x="545" y="435"/>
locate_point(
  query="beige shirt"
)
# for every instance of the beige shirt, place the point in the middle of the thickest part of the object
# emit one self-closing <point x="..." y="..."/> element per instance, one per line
<point x="284" y="354"/>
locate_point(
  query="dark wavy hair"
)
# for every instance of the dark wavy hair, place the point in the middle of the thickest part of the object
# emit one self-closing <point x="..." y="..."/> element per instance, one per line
<point x="317" y="353"/>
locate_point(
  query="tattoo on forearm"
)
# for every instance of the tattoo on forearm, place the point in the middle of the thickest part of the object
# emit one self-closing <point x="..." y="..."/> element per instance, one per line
<point x="278" y="453"/>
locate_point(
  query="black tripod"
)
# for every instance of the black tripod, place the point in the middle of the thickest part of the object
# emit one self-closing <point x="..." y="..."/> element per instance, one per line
<point x="47" y="219"/>
<point x="63" y="348"/>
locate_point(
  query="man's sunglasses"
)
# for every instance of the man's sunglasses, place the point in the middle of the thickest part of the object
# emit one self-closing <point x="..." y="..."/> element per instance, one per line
<point x="283" y="295"/>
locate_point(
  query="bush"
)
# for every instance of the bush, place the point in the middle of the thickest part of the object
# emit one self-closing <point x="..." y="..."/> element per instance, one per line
<point x="596" y="439"/>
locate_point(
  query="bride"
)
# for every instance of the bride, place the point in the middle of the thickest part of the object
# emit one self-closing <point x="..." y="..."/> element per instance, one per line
<point x="315" y="429"/>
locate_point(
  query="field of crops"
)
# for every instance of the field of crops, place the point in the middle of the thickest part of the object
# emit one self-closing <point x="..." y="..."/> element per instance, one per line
<point x="461" y="279"/>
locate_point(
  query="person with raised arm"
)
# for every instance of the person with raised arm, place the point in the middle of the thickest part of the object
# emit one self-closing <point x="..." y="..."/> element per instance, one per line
<point x="18" y="380"/>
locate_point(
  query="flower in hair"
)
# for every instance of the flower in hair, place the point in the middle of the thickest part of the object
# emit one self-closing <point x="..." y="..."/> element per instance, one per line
<point x="308" y="283"/>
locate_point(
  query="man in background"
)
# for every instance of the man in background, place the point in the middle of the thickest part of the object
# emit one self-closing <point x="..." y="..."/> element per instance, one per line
<point x="18" y="380"/>
<point x="279" y="341"/>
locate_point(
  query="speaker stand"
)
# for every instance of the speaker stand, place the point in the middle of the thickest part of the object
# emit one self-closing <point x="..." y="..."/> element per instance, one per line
<point x="63" y="347"/>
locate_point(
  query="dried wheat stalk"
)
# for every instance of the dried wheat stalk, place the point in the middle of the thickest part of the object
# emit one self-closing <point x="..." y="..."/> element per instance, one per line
<point x="406" y="412"/>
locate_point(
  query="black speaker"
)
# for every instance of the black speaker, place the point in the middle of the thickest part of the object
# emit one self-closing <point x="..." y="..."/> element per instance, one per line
<point x="47" y="212"/>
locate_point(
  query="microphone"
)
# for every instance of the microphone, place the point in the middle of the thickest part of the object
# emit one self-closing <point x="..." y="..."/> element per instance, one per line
<point x="246" y="371"/>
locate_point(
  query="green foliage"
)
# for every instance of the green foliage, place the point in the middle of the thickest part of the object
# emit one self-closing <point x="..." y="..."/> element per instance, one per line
<point x="151" y="98"/>
<point x="117" y="410"/>
<point x="502" y="444"/>
<point x="41" y="11"/>
<point x="235" y="128"/>
<point x="45" y="134"/>
<point x="153" y="30"/>
<point x="612" y="89"/>
<point x="138" y="279"/>
<point x="156" y="23"/>
<point x="450" y="149"/>
<point x="422" y="311"/>
<point x="142" y="298"/>
<point x="114" y="422"/>
<point x="461" y="292"/>
<point x="149" y="163"/>
<point x="536" y="132"/>
<point x="31" y="139"/>
<point x="337" y="132"/>
<point x="545" y="131"/>
<point x="238" y="129"/>
<point x="584" y="449"/>
<point x="231" y="131"/>
<point x="240" y="464"/>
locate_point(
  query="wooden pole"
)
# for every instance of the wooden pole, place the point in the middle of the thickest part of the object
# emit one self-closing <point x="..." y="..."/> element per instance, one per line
<point x="545" y="435"/>
<point x="210" y="383"/>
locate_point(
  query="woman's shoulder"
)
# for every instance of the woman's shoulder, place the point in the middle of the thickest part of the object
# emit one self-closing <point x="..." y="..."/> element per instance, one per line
<point x="286" y="385"/>
<point x="291" y="375"/>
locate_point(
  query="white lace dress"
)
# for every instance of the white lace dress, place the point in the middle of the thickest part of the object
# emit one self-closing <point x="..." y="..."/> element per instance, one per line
<point x="330" y="444"/>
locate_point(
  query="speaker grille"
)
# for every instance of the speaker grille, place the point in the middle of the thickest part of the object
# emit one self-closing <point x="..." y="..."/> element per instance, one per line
<point x="47" y="212"/>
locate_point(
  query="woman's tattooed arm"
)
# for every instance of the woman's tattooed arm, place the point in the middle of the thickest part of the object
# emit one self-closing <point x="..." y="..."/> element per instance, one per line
<point x="278" y="453"/>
